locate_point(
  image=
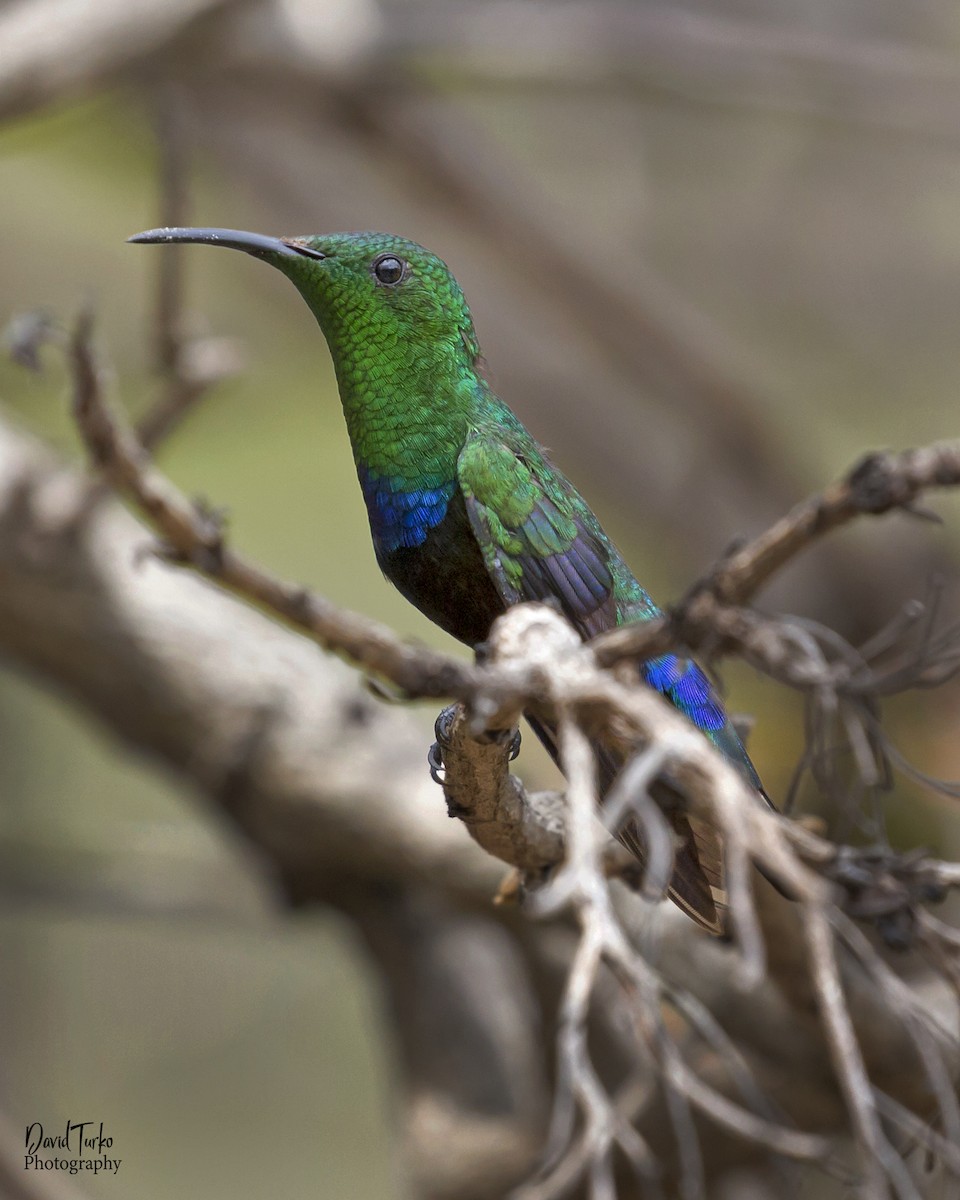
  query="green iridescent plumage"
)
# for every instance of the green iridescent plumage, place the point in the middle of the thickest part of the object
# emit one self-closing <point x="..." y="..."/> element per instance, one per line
<point x="467" y="514"/>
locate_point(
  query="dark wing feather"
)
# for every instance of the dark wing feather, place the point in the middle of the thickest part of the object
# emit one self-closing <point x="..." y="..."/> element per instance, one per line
<point x="535" y="543"/>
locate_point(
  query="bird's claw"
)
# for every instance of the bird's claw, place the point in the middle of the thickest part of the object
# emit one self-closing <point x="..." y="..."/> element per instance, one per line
<point x="504" y="737"/>
<point x="443" y="725"/>
<point x="515" y="740"/>
<point x="438" y="775"/>
<point x="442" y="728"/>
<point x="435" y="763"/>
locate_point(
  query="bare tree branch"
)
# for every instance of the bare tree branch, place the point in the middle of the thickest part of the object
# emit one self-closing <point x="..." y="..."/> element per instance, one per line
<point x="878" y="484"/>
<point x="189" y="366"/>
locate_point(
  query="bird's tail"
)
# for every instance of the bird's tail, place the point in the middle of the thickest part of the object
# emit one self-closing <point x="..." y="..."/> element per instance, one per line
<point x="697" y="882"/>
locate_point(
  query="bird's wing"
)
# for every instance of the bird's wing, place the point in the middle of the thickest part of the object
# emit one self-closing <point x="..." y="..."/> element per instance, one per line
<point x="538" y="545"/>
<point x="535" y="542"/>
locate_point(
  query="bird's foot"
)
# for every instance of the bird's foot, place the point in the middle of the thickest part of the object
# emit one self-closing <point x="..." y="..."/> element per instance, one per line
<point x="505" y="737"/>
<point x="435" y="763"/>
<point x="438" y="775"/>
<point x="442" y="728"/>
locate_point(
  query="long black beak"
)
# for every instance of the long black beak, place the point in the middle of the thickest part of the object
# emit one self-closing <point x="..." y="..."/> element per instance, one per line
<point x="257" y="244"/>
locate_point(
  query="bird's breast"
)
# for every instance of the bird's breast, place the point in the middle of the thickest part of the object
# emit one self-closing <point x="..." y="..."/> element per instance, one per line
<point x="443" y="574"/>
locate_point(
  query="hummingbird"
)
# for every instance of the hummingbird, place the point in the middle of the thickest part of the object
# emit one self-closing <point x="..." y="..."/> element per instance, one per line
<point x="467" y="513"/>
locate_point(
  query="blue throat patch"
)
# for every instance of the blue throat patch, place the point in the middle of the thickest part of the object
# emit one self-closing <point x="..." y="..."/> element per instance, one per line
<point x="401" y="518"/>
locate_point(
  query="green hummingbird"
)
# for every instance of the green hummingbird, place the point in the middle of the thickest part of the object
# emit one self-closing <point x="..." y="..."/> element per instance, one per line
<point x="468" y="514"/>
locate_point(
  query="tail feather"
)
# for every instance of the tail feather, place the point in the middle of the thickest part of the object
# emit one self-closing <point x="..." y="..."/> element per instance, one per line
<point x="696" y="884"/>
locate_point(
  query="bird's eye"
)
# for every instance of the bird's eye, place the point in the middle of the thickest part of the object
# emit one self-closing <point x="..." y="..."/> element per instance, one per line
<point x="388" y="269"/>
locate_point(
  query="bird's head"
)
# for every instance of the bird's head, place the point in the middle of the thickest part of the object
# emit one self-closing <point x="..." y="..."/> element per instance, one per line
<point x="374" y="294"/>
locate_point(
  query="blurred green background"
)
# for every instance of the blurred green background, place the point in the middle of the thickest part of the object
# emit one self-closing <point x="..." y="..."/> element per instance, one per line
<point x="813" y="252"/>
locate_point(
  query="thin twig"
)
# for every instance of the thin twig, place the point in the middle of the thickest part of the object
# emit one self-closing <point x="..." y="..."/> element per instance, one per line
<point x="189" y="367"/>
<point x="879" y="1160"/>
<point x="878" y="484"/>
